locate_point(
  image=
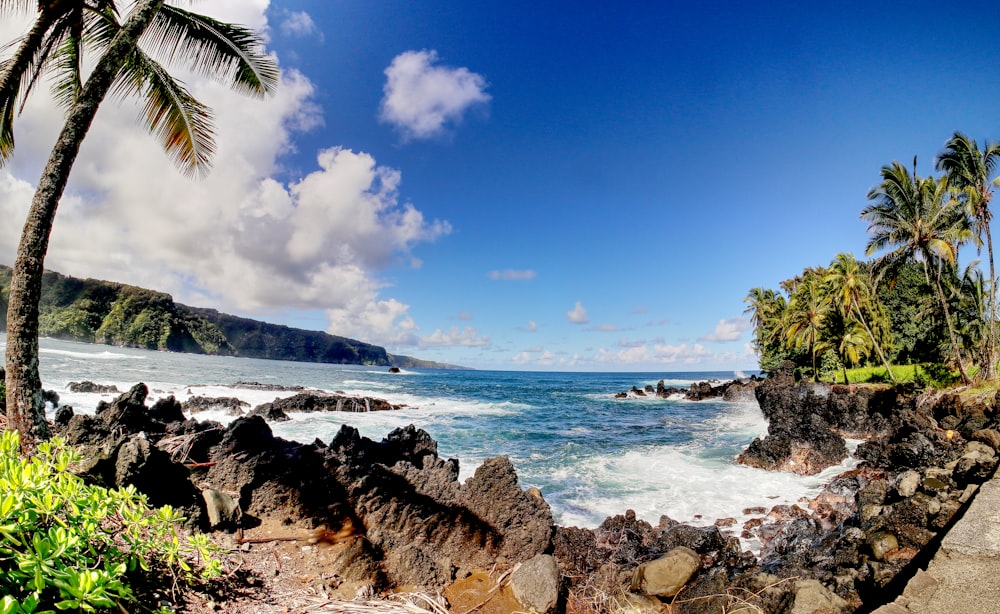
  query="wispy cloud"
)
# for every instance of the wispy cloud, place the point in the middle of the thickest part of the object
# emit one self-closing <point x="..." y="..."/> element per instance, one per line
<point x="728" y="330"/>
<point x="605" y="328"/>
<point x="299" y="24"/>
<point x="543" y="358"/>
<point x="578" y="315"/>
<point x="454" y="337"/>
<point x="464" y="316"/>
<point x="421" y="98"/>
<point x="513" y="275"/>
<point x="530" y="327"/>
<point x="657" y="354"/>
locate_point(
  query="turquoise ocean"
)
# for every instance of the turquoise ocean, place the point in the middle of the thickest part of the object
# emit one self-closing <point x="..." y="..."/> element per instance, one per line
<point x="590" y="454"/>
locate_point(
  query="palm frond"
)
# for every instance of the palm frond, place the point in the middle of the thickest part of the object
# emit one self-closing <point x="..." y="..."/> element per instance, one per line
<point x="17" y="7"/>
<point x="6" y="130"/>
<point x="214" y="49"/>
<point x="67" y="81"/>
<point x="183" y="125"/>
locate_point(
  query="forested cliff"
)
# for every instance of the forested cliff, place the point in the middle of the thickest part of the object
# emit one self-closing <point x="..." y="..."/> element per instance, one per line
<point x="117" y="314"/>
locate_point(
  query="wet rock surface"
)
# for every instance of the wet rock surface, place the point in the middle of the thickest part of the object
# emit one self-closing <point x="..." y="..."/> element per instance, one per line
<point x="91" y="387"/>
<point x="392" y="513"/>
<point x="807" y="421"/>
<point x="320" y="401"/>
<point x="733" y="391"/>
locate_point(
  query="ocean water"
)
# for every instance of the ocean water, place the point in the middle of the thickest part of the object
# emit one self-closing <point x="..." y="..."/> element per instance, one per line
<point x="591" y="455"/>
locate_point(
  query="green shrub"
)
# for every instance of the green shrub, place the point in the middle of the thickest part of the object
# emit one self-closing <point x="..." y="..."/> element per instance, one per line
<point x="67" y="545"/>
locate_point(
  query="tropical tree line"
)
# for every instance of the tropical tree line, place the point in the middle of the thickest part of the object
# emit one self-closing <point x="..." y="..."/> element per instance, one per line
<point x="911" y="302"/>
<point x="127" y="66"/>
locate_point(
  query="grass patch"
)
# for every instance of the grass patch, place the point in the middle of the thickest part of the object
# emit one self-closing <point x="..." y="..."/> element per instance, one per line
<point x="933" y="375"/>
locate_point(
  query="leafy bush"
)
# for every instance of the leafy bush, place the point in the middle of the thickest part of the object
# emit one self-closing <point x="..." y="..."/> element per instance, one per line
<point x="67" y="545"/>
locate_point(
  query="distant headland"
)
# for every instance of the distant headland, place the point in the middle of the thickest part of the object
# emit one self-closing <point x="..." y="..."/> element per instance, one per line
<point x="109" y="313"/>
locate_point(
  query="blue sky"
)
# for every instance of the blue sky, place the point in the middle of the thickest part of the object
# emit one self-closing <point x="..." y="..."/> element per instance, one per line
<point x="516" y="185"/>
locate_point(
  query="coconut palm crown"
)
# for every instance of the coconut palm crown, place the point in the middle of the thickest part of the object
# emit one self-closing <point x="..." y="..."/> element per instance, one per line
<point x="916" y="218"/>
<point x="229" y="53"/>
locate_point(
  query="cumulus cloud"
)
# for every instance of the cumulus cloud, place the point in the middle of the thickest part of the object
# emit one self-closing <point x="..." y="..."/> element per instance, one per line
<point x="421" y="98"/>
<point x="728" y="330"/>
<point x="244" y="239"/>
<point x="577" y="315"/>
<point x="513" y="275"/>
<point x="299" y="24"/>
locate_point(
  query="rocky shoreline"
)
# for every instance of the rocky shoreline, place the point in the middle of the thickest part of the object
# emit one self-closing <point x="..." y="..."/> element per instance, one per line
<point x="392" y="515"/>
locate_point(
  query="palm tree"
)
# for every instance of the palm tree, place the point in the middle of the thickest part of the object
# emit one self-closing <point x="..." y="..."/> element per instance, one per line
<point x="854" y="294"/>
<point x="765" y="308"/>
<point x="968" y="170"/>
<point x="806" y="314"/>
<point x="226" y="51"/>
<point x="917" y="219"/>
<point x="55" y="38"/>
<point x="971" y="319"/>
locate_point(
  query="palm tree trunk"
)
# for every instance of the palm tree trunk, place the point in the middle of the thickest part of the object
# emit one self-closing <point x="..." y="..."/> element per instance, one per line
<point x="878" y="348"/>
<point x="991" y="350"/>
<point x="14" y="67"/>
<point x="25" y="407"/>
<point x="951" y="329"/>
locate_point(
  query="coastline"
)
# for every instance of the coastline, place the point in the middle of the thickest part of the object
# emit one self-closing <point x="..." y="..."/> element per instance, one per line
<point x="810" y="546"/>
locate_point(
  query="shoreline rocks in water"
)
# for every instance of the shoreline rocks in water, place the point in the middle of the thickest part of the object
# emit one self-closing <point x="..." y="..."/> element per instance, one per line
<point x="277" y="410"/>
<point x="88" y="386"/>
<point x="393" y="514"/>
<point x="734" y="390"/>
<point x="807" y="421"/>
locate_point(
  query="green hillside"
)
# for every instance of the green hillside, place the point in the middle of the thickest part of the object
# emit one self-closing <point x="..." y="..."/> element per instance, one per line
<point x="109" y="313"/>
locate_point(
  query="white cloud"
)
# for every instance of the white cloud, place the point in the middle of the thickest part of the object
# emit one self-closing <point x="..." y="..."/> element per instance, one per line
<point x="728" y="330"/>
<point x="467" y="337"/>
<point x="659" y="354"/>
<point x="538" y="357"/>
<point x="382" y="322"/>
<point x="531" y="327"/>
<point x="421" y="98"/>
<point x="299" y="24"/>
<point x="464" y="316"/>
<point x="578" y="315"/>
<point x="243" y="239"/>
<point x="605" y="328"/>
<point x="513" y="275"/>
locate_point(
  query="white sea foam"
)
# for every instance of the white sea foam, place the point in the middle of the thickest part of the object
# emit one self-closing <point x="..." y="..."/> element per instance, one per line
<point x="678" y="483"/>
<point x="90" y="355"/>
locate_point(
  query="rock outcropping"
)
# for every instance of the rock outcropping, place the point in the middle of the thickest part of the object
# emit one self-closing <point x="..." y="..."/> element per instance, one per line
<point x="394" y="510"/>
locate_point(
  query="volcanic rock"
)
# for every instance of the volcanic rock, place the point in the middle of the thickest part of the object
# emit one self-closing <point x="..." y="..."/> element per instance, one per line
<point x="91" y="387"/>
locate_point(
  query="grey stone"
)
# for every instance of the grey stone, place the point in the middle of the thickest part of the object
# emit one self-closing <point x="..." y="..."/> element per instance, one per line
<point x="811" y="597"/>
<point x="908" y="483"/>
<point x="536" y="583"/>
<point x="882" y="543"/>
<point x="668" y="574"/>
<point x="222" y="509"/>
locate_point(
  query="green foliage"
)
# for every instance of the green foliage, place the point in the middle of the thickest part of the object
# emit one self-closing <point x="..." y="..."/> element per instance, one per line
<point x="830" y="367"/>
<point x="918" y="329"/>
<point x="66" y="545"/>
